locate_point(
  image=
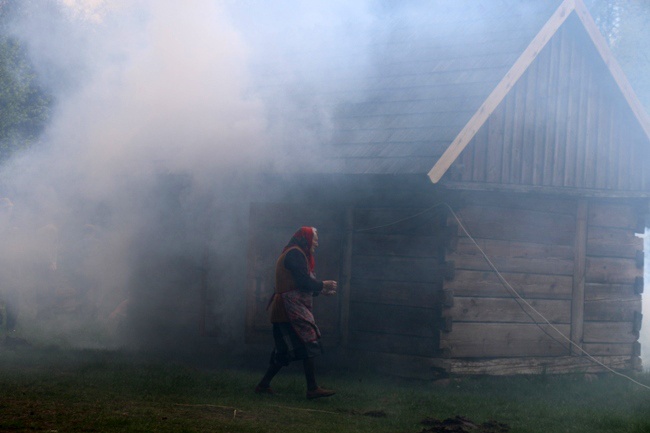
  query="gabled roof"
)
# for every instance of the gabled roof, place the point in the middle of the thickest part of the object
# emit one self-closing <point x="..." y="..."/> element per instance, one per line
<point x="520" y="66"/>
<point x="432" y="65"/>
<point x="438" y="77"/>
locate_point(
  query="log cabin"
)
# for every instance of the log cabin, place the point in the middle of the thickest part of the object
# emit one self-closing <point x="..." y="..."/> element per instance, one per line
<point x="481" y="200"/>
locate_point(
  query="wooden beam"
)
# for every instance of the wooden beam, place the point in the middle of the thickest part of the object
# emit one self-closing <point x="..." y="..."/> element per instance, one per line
<point x="494" y="310"/>
<point x="613" y="66"/>
<point x="346" y="276"/>
<point x="498" y="94"/>
<point x="492" y="340"/>
<point x="579" y="271"/>
<point x="550" y="190"/>
<point x="537" y="365"/>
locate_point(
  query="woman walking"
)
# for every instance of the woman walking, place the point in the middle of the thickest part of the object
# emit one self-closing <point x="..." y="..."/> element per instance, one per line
<point x="294" y="329"/>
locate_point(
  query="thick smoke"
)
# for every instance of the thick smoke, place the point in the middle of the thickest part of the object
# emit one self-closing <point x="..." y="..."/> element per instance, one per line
<point x="114" y="205"/>
<point x="126" y="224"/>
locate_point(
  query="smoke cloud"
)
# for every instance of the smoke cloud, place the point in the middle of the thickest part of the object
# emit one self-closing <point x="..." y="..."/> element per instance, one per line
<point x="128" y="220"/>
<point x="152" y="115"/>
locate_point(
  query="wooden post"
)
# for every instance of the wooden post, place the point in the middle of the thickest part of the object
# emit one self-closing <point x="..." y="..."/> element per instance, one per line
<point x="346" y="275"/>
<point x="204" y="290"/>
<point x="579" y="268"/>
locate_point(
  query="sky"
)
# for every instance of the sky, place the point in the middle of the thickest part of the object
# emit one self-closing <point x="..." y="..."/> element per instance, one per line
<point x="156" y="96"/>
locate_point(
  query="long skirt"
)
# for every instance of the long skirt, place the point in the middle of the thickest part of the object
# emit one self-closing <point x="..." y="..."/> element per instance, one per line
<point x="289" y="347"/>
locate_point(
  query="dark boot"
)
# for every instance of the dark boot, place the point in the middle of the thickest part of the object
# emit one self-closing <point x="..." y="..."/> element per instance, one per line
<point x="264" y="387"/>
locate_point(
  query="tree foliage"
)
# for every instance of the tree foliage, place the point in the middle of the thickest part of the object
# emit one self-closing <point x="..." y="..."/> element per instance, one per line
<point x="24" y="104"/>
<point x="626" y="27"/>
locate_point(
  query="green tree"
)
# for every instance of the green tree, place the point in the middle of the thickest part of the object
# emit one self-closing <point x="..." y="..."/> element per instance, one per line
<point x="626" y="27"/>
<point x="24" y="104"/>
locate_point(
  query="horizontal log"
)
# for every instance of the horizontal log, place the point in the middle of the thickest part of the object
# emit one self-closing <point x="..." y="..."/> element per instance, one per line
<point x="367" y="244"/>
<point x="596" y="349"/>
<point x="603" y="292"/>
<point x="509" y="310"/>
<point x="412" y="221"/>
<point x="537" y="365"/>
<point x="389" y="343"/>
<point x="609" y="332"/>
<point x="513" y="257"/>
<point x="606" y="270"/>
<point x="481" y="340"/>
<point x="620" y="215"/>
<point x="518" y="225"/>
<point x="612" y="310"/>
<point x="613" y="242"/>
<point x="396" y="293"/>
<point x="406" y="269"/>
<point x="553" y="205"/>
<point x="394" y="319"/>
<point x="514" y="249"/>
<point x="534" y="286"/>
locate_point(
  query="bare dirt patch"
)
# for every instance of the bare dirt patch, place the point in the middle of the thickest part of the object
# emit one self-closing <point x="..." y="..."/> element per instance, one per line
<point x="460" y="424"/>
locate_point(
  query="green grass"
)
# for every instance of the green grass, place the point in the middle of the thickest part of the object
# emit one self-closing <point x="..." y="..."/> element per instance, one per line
<point x="92" y="391"/>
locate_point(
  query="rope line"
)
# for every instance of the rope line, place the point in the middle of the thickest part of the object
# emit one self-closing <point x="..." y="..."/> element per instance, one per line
<point x="401" y="220"/>
<point x="514" y="292"/>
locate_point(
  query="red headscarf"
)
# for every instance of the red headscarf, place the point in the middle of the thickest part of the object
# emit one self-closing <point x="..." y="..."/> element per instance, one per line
<point x="304" y="239"/>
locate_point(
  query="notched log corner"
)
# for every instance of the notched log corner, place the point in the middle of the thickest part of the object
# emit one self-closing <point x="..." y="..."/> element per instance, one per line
<point x="638" y="285"/>
<point x="449" y="270"/>
<point x="446" y="324"/>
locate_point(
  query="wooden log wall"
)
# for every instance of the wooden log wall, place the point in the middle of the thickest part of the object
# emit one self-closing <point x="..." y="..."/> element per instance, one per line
<point x="537" y="246"/>
<point x="531" y="242"/>
<point x="614" y="279"/>
<point x="396" y="281"/>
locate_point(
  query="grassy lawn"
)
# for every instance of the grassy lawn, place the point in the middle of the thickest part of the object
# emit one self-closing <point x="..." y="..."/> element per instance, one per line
<point x="91" y="391"/>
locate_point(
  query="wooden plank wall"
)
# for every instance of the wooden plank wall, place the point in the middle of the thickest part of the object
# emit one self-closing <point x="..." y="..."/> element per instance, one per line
<point x="563" y="124"/>
<point x="396" y="281"/>
<point x="531" y="242"/>
<point x="614" y="275"/>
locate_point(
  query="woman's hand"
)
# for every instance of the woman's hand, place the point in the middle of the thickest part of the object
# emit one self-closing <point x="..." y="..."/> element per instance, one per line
<point x="329" y="287"/>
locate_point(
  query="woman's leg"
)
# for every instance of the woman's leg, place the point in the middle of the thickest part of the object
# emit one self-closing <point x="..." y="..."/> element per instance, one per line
<point x="310" y="374"/>
<point x="268" y="376"/>
<point x="313" y="390"/>
<point x="274" y="368"/>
